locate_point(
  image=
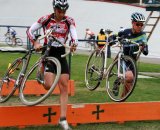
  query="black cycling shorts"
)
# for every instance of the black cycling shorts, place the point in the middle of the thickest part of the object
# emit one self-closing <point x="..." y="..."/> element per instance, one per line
<point x="57" y="52"/>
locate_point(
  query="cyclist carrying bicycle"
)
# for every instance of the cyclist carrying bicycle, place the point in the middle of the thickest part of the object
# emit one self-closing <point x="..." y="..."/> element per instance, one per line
<point x="62" y="25"/>
<point x="137" y="35"/>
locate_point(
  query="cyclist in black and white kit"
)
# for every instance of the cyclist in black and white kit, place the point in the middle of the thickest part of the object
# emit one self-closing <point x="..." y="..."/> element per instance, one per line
<point x="63" y="25"/>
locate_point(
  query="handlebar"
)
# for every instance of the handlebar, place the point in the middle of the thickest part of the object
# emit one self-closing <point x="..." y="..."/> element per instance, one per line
<point x="120" y="42"/>
<point x="52" y="38"/>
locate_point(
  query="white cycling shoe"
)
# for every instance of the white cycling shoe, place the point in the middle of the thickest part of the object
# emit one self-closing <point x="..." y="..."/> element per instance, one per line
<point x="64" y="125"/>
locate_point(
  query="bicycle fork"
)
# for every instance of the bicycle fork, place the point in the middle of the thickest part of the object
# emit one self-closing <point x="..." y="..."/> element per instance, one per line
<point x="21" y="74"/>
<point x="121" y="64"/>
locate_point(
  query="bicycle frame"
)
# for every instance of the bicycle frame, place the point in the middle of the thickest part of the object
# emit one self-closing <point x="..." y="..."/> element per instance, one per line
<point x="25" y="61"/>
<point x="118" y="56"/>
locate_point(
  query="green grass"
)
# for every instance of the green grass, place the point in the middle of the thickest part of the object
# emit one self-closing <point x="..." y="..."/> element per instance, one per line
<point x="146" y="90"/>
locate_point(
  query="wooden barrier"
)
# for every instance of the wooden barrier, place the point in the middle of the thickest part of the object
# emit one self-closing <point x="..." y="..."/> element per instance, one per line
<point x="33" y="90"/>
<point x="99" y="112"/>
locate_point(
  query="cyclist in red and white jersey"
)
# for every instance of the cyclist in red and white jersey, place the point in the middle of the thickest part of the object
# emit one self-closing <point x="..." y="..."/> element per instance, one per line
<point x="63" y="26"/>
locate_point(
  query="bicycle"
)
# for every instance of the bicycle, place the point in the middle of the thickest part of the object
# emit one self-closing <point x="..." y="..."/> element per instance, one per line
<point x="9" y="40"/>
<point x="96" y="70"/>
<point x="37" y="69"/>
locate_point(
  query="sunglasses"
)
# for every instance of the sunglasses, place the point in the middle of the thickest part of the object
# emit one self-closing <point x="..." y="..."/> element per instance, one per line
<point x="139" y="24"/>
<point x="61" y="11"/>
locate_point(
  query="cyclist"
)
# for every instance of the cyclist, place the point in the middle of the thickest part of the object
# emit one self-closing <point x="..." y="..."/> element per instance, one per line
<point x="135" y="34"/>
<point x="90" y="36"/>
<point x="63" y="25"/>
<point x="12" y="32"/>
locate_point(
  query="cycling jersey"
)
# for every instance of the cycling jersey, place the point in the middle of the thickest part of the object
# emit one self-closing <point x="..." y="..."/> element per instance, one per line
<point x="61" y="31"/>
<point x="138" y="37"/>
<point x="12" y="32"/>
<point x="62" y="28"/>
<point x="90" y="33"/>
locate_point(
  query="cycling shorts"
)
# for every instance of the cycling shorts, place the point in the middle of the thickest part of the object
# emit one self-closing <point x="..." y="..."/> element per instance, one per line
<point x="57" y="52"/>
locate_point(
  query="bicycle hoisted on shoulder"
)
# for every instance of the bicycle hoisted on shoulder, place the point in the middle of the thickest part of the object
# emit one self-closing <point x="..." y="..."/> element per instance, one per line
<point x="115" y="75"/>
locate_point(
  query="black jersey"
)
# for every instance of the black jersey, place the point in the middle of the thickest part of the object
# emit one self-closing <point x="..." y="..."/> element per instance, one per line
<point x="139" y="38"/>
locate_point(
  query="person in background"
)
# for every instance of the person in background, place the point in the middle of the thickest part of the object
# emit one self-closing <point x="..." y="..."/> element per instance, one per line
<point x="63" y="26"/>
<point x="101" y="36"/>
<point x="13" y="33"/>
<point x="90" y="35"/>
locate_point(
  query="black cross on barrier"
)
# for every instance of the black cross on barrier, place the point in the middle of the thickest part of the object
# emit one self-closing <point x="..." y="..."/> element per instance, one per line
<point x="49" y="114"/>
<point x="98" y="111"/>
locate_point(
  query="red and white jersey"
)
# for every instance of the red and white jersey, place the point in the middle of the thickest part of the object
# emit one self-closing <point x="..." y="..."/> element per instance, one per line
<point x="89" y="32"/>
<point x="62" y="28"/>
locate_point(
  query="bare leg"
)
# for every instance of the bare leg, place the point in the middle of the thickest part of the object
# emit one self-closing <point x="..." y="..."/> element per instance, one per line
<point x="14" y="41"/>
<point x="63" y="86"/>
<point x="128" y="82"/>
<point x="48" y="80"/>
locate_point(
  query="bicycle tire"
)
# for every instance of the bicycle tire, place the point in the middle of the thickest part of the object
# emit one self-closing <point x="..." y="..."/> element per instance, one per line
<point x="19" y="42"/>
<point x="7" y="83"/>
<point x="113" y="79"/>
<point x="31" y="101"/>
<point x="94" y="69"/>
<point x="8" y="40"/>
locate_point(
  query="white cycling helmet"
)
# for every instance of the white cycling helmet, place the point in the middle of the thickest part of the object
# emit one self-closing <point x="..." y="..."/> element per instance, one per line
<point x="60" y="4"/>
<point x="137" y="17"/>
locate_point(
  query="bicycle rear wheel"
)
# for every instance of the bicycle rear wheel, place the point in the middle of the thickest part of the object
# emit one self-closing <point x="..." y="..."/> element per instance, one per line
<point x="8" y="40"/>
<point x="117" y="88"/>
<point x="19" y="42"/>
<point x="7" y="83"/>
<point x="94" y="69"/>
<point x="35" y="83"/>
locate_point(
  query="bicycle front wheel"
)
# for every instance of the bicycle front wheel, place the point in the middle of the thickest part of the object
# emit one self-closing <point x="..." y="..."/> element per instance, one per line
<point x="117" y="87"/>
<point x="94" y="69"/>
<point x="8" y="82"/>
<point x="19" y="42"/>
<point x="8" y="40"/>
<point x="34" y="81"/>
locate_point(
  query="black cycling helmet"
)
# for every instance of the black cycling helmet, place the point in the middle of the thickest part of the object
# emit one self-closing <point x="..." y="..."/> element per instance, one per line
<point x="137" y="17"/>
<point x="60" y="4"/>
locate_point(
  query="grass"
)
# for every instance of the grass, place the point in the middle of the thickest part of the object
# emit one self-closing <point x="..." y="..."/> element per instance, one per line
<point x="146" y="90"/>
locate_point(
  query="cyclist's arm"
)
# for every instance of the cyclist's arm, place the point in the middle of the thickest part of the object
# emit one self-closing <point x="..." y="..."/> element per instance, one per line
<point x="73" y="33"/>
<point x="74" y="37"/>
<point x="31" y="31"/>
<point x="31" y="36"/>
<point x="145" y="50"/>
